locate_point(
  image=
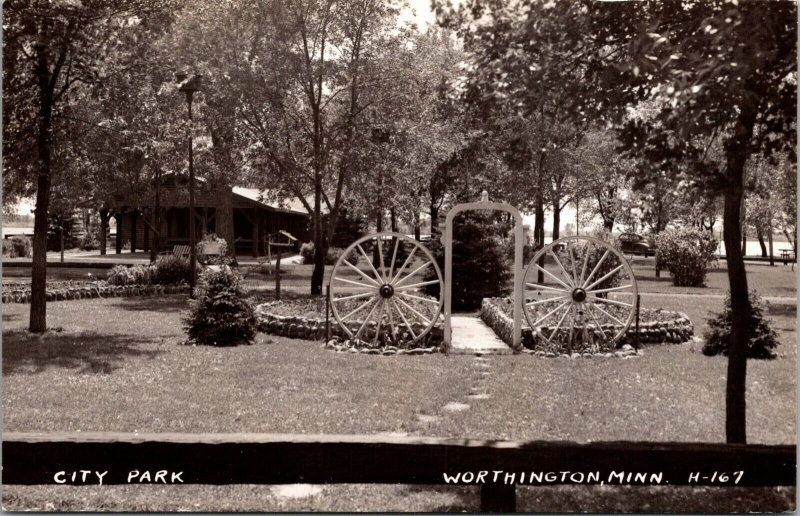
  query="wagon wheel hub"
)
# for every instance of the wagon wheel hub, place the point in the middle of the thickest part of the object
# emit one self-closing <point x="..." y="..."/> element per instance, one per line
<point x="386" y="291"/>
<point x="579" y="295"/>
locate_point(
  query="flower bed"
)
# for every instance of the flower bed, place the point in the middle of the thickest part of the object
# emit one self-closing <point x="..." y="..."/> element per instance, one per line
<point x="656" y="326"/>
<point x="305" y="319"/>
<point x="64" y="290"/>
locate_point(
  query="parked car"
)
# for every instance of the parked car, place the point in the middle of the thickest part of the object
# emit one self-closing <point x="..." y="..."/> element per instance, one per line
<point x="634" y="244"/>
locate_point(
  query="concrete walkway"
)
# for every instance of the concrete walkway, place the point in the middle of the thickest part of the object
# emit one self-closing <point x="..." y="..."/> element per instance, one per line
<point x="471" y="335"/>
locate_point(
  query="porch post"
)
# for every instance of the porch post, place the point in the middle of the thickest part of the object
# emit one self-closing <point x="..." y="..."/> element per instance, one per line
<point x="255" y="232"/>
<point x="133" y="231"/>
<point x="118" y="243"/>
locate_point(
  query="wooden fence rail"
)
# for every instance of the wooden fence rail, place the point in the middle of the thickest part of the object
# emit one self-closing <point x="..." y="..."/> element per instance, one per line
<point x="497" y="466"/>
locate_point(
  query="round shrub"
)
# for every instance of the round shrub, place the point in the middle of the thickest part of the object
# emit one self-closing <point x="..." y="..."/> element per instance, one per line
<point x="686" y="253"/>
<point x="219" y="315"/>
<point x="171" y="270"/>
<point x="763" y="339"/>
<point x="307" y="252"/>
<point x="17" y="247"/>
<point x="480" y="267"/>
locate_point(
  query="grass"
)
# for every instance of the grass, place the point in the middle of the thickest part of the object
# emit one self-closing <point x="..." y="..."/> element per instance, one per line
<point x="127" y="356"/>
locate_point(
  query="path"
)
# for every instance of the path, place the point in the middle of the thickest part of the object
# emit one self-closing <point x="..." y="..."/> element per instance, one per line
<point x="771" y="299"/>
<point x="471" y="335"/>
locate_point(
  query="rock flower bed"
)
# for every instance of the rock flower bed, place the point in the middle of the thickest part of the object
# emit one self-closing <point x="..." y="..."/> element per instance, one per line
<point x="65" y="290"/>
<point x="655" y="327"/>
<point x="305" y="319"/>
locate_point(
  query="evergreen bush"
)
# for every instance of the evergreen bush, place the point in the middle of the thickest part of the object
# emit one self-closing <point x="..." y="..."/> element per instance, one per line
<point x="171" y="270"/>
<point x="686" y="254"/>
<point x="219" y="315"/>
<point x="763" y="339"/>
<point x="480" y="267"/>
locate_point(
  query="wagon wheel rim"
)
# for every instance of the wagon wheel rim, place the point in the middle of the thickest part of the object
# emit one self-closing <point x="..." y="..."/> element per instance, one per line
<point x="579" y="305"/>
<point x="384" y="292"/>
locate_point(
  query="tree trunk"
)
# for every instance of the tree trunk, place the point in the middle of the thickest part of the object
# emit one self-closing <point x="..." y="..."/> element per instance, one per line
<point x="434" y="220"/>
<point x="417" y="235"/>
<point x="556" y="222"/>
<point x="38" y="313"/>
<point x="736" y="156"/>
<point x="538" y="230"/>
<point x="761" y="242"/>
<point x="771" y="255"/>
<point x="104" y="217"/>
<point x="223" y="204"/>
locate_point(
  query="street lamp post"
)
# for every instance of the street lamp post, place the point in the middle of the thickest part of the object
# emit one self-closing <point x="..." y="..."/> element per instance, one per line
<point x="189" y="87"/>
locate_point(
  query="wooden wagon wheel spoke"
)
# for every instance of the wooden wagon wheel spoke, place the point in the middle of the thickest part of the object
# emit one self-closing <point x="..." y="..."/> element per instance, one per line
<point x="354" y="296"/>
<point x="609" y="301"/>
<point x="538" y="267"/>
<point x="574" y="270"/>
<point x="580" y="298"/>
<point x="402" y="267"/>
<point x="596" y="267"/>
<point x="563" y="270"/>
<point x="549" y="300"/>
<point x="379" y="322"/>
<point x="346" y="317"/>
<point x="366" y="277"/>
<point x="605" y="277"/>
<point x="380" y="260"/>
<point x="345" y="280"/>
<point x="545" y="287"/>
<point x="405" y="278"/>
<point x="611" y="289"/>
<point x="425" y="299"/>
<point x="428" y="321"/>
<point x="417" y="285"/>
<point x="369" y="262"/>
<point x="596" y="321"/>
<point x="403" y="317"/>
<point x="388" y="292"/>
<point x="394" y="257"/>
<point x="551" y="312"/>
<point x="366" y="320"/>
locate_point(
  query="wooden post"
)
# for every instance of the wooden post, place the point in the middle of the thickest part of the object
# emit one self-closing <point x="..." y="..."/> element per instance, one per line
<point x="118" y="243"/>
<point x="255" y="233"/>
<point x="133" y="231"/>
<point x="498" y="498"/>
<point x="278" y="276"/>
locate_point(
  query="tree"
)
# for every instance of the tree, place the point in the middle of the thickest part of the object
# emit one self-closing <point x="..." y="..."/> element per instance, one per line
<point x="715" y="69"/>
<point x="49" y="48"/>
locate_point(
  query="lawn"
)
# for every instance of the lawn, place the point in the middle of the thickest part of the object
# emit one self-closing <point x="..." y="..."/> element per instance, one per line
<point x="120" y="364"/>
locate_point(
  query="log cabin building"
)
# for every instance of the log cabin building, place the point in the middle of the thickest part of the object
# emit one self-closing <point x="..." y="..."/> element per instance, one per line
<point x="253" y="219"/>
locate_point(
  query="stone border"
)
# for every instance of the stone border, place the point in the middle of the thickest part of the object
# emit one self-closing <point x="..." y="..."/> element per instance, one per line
<point x="92" y="291"/>
<point x="673" y="331"/>
<point x="352" y="346"/>
<point x="295" y="327"/>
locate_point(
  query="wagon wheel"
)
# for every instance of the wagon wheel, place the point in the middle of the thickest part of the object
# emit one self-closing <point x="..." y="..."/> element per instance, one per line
<point x="381" y="298"/>
<point x="580" y="295"/>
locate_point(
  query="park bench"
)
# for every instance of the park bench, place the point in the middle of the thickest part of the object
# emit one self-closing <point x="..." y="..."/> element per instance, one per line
<point x="181" y="251"/>
<point x="788" y="256"/>
<point x="218" y="459"/>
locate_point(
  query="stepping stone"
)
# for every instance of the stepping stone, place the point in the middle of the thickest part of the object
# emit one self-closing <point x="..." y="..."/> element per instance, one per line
<point x="454" y="406"/>
<point x="424" y="418"/>
<point x="481" y="396"/>
<point x="296" y="490"/>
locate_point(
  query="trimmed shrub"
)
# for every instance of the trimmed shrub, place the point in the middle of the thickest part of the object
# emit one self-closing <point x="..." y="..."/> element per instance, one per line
<point x="307" y="252"/>
<point x="122" y="275"/>
<point x="763" y="339"/>
<point x="17" y="247"/>
<point x="222" y="259"/>
<point x="686" y="254"/>
<point x="480" y="267"/>
<point x="219" y="315"/>
<point x="89" y="242"/>
<point x="171" y="270"/>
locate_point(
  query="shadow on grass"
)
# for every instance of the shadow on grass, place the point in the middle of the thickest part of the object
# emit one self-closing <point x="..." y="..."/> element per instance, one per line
<point x="88" y="352"/>
<point x="164" y="304"/>
<point x="468" y="497"/>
